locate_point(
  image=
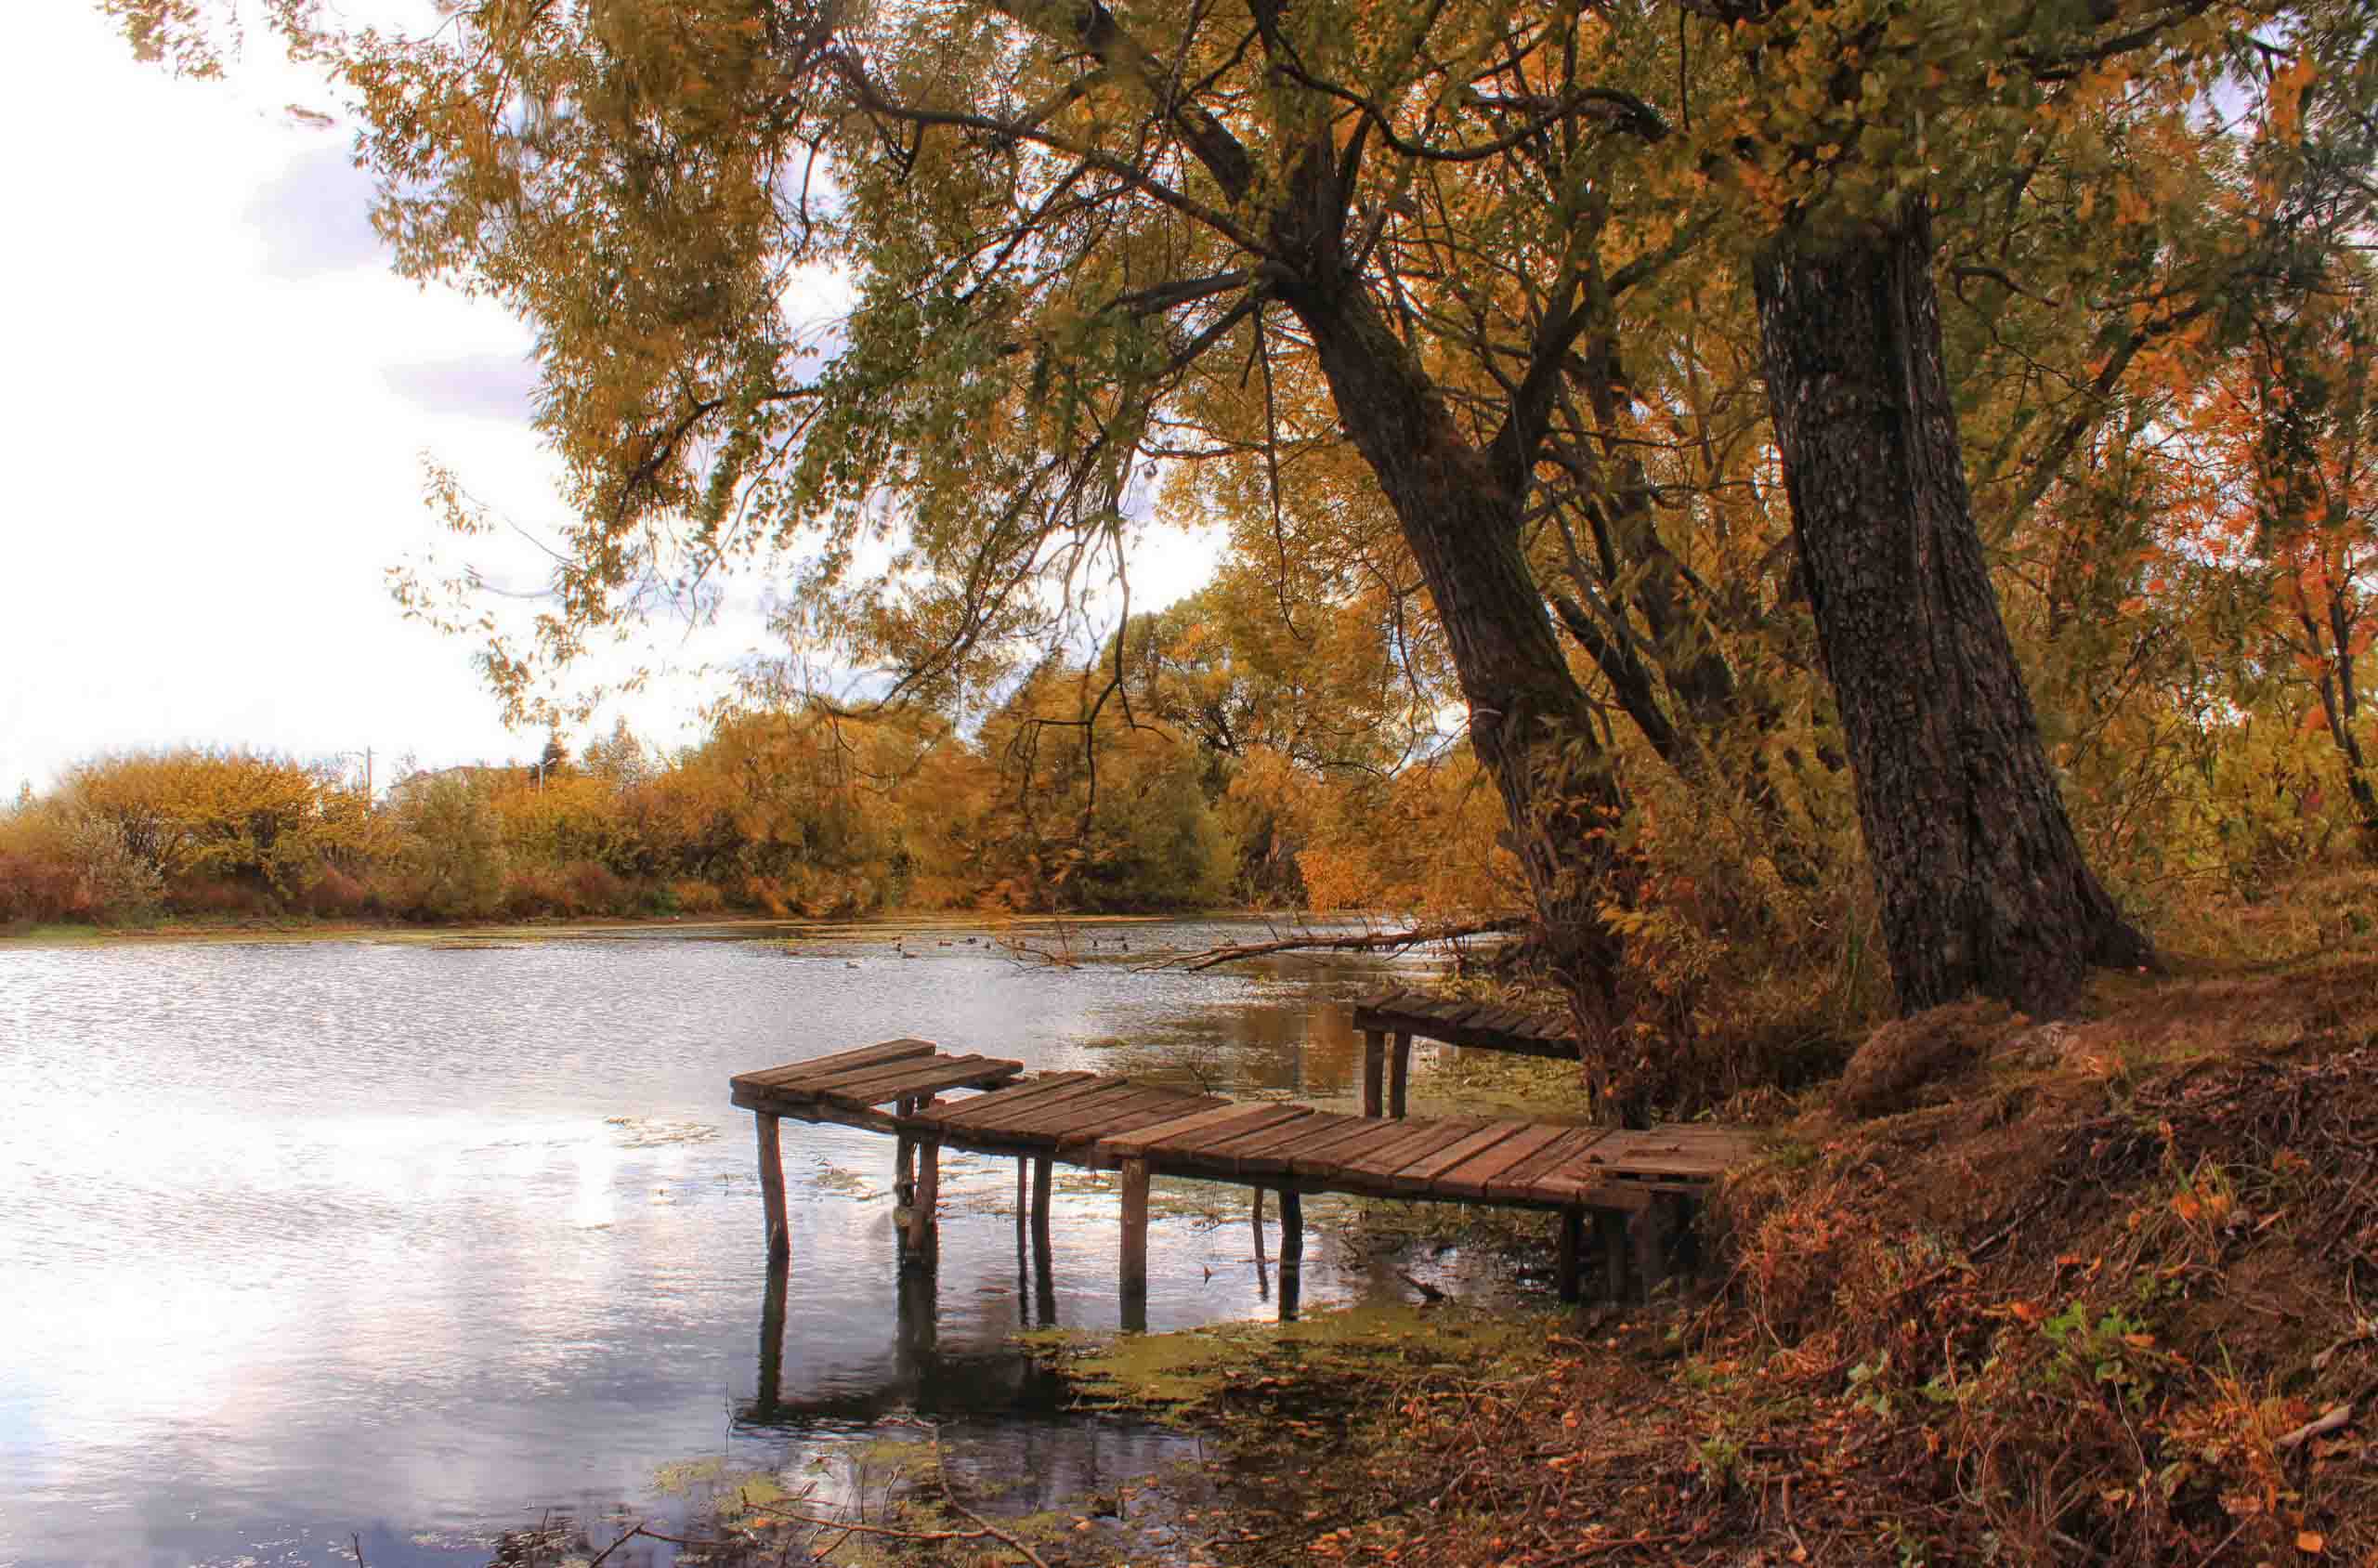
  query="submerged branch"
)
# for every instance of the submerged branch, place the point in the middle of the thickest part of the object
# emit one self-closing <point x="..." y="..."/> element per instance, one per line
<point x="1375" y="941"/>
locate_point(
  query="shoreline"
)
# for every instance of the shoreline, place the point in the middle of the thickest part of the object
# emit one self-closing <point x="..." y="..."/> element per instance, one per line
<point x="307" y="928"/>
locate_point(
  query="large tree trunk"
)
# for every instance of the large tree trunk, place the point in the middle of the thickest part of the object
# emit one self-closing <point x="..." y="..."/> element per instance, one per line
<point x="1983" y="886"/>
<point x="1530" y="723"/>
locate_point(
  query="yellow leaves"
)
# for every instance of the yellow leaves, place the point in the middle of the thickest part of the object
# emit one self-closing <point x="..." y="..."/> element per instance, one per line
<point x="2287" y="89"/>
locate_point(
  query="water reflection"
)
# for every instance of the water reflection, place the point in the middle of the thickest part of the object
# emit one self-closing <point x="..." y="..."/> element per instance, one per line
<point x="306" y="1239"/>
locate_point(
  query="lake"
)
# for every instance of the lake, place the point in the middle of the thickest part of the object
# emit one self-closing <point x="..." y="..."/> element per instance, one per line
<point x="424" y="1243"/>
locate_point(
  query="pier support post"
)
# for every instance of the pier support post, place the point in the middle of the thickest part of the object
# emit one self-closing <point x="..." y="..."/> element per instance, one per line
<point x="1399" y="1074"/>
<point x="1040" y="1183"/>
<point x="1135" y="1237"/>
<point x="1650" y="1255"/>
<point x="1374" y="1068"/>
<point x="920" y="1214"/>
<point x="1257" y="1216"/>
<point x="1023" y="1190"/>
<point x="1610" y="1229"/>
<point x="772" y="1301"/>
<point x="1291" y="1253"/>
<point x="1572" y="1237"/>
<point x="772" y="1184"/>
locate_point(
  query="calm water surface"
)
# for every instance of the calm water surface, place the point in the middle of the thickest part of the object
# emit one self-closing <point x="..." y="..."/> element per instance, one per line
<point x="425" y="1244"/>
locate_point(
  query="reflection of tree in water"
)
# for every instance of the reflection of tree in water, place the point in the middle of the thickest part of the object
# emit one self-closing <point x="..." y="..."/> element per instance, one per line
<point x="1264" y="1044"/>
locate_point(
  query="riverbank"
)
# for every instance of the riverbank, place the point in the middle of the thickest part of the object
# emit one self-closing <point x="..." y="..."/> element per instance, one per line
<point x="309" y="928"/>
<point x="2095" y="1295"/>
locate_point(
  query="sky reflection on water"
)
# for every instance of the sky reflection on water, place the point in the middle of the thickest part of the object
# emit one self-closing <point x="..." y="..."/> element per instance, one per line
<point x="309" y="1238"/>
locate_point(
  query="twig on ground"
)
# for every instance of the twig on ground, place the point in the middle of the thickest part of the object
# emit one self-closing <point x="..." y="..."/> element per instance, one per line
<point x="2327" y="1422"/>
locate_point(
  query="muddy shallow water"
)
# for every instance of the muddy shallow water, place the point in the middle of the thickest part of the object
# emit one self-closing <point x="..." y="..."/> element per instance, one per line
<point x="423" y="1243"/>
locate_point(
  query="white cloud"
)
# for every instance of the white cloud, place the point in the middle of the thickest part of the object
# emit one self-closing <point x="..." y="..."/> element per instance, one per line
<point x="216" y="403"/>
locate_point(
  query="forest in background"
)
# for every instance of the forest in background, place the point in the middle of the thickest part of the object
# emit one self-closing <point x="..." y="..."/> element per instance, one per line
<point x="1240" y="786"/>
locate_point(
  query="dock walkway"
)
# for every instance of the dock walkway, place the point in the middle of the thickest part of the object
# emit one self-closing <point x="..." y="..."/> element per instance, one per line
<point x="1630" y="1181"/>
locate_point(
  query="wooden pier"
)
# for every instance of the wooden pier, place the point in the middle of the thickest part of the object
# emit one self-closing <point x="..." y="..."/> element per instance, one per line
<point x="1634" y="1184"/>
<point x="1401" y="1015"/>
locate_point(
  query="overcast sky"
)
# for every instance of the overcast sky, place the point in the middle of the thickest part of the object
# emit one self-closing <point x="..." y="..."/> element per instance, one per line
<point x="217" y="401"/>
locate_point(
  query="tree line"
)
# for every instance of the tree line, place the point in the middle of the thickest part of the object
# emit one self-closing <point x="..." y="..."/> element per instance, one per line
<point x="785" y="812"/>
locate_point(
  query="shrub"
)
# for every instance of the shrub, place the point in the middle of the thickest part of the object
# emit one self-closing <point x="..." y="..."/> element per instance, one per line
<point x="456" y="860"/>
<point x="593" y="889"/>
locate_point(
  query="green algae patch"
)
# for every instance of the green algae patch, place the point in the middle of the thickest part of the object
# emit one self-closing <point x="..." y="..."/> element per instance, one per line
<point x="724" y="1489"/>
<point x="1173" y="1376"/>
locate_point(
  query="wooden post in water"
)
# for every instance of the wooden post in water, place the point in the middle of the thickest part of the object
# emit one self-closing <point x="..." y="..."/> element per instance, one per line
<point x="1023" y="1190"/>
<point x="904" y="1150"/>
<point x="771" y="1393"/>
<point x="1041" y="1180"/>
<point x="1399" y="1074"/>
<point x="1135" y="1231"/>
<point x="921" y="1218"/>
<point x="772" y="1185"/>
<point x="1291" y="1251"/>
<point x="1573" y="1239"/>
<point x="1259" y="1224"/>
<point x="1374" y="1067"/>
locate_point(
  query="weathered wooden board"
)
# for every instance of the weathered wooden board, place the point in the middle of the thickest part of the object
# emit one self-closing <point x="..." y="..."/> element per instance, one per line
<point x="866" y="1055"/>
<point x="1002" y="1100"/>
<point x="899" y="1080"/>
<point x="1477" y="1024"/>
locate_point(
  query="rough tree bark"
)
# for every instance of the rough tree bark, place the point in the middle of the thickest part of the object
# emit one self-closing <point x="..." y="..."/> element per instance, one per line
<point x="1983" y="886"/>
<point x="1530" y="723"/>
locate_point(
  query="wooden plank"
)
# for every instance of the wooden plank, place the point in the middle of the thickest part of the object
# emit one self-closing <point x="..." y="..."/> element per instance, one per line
<point x="1651" y="1154"/>
<point x="857" y="1080"/>
<point x="1329" y="1154"/>
<point x="1270" y="1151"/>
<point x="1518" y="1182"/>
<point x="1426" y="1138"/>
<point x="1468" y="1180"/>
<point x="1426" y="1170"/>
<point x="898" y="1081"/>
<point x="1626" y="1197"/>
<point x="889" y="1050"/>
<point x="810" y="1110"/>
<point x="885" y="1072"/>
<point x="1146" y="1110"/>
<point x="1241" y="1151"/>
<point x="997" y="1102"/>
<point x="1195" y="1147"/>
<point x="1062" y="1112"/>
<point x="1069" y="1114"/>
<point x="1137" y="1142"/>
